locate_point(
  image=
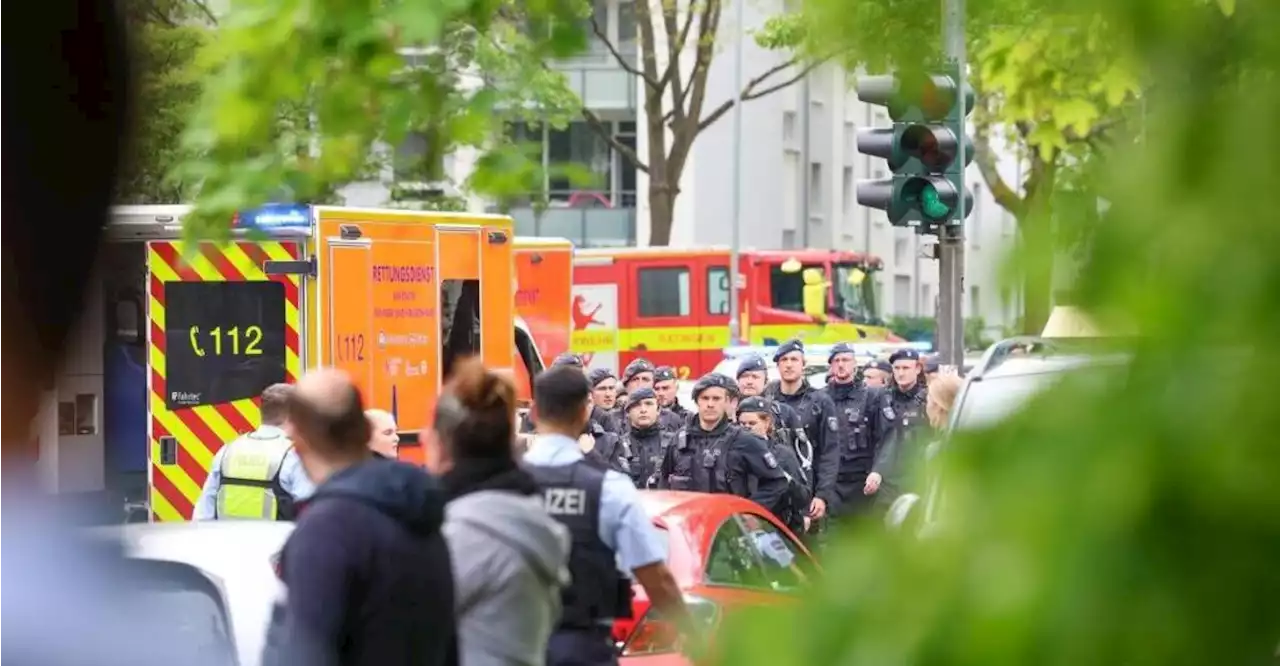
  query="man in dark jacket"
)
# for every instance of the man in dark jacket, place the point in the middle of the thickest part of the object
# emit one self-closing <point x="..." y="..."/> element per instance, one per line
<point x="367" y="569"/>
<point x="818" y="414"/>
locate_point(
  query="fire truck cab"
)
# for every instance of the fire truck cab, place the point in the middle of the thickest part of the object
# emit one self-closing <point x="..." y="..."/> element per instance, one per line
<point x="671" y="306"/>
<point x="179" y="338"/>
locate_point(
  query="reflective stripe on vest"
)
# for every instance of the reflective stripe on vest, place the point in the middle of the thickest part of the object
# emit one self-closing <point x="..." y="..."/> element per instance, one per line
<point x="250" y="472"/>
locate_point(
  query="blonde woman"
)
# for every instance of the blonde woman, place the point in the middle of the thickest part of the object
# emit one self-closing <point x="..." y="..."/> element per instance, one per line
<point x="943" y="389"/>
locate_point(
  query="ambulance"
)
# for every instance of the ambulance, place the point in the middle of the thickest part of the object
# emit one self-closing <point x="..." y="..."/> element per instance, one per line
<point x="179" y="339"/>
<point x="544" y="293"/>
<point x="671" y="305"/>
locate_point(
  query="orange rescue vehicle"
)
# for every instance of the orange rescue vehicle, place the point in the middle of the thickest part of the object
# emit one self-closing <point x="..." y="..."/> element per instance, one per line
<point x="179" y="338"/>
<point x="671" y="306"/>
<point x="544" y="286"/>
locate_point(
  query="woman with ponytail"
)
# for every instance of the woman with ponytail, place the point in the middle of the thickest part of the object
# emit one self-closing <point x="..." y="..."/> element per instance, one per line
<point x="509" y="557"/>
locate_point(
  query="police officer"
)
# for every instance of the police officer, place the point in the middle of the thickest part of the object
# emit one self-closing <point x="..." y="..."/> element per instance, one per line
<point x="753" y="377"/>
<point x="756" y="414"/>
<point x="604" y="389"/>
<point x="611" y="532"/>
<point x="607" y="421"/>
<point x="854" y="404"/>
<point x="645" y="440"/>
<point x="641" y="374"/>
<point x="665" y="385"/>
<point x="877" y="374"/>
<point x="713" y="455"/>
<point x="819" y="418"/>
<point x="258" y="475"/>
<point x="898" y="413"/>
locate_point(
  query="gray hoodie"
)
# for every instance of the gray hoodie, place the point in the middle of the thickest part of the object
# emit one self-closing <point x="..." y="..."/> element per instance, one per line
<point x="509" y="564"/>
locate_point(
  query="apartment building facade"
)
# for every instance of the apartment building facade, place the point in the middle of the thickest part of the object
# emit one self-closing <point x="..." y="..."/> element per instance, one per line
<point x="799" y="170"/>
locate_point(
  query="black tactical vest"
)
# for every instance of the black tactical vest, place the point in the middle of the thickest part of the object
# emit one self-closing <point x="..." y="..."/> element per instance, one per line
<point x="598" y="592"/>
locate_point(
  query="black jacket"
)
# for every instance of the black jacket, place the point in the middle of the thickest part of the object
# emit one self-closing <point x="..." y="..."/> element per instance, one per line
<point x="818" y="414"/>
<point x="368" y="574"/>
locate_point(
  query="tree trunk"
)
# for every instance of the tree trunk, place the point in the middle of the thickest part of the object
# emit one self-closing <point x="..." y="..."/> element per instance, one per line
<point x="1039" y="247"/>
<point x="662" y="212"/>
<point x="1037" y="271"/>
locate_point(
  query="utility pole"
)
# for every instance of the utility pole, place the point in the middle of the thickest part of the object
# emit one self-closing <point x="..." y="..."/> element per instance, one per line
<point x="951" y="236"/>
<point x="735" y="213"/>
<point x="806" y="187"/>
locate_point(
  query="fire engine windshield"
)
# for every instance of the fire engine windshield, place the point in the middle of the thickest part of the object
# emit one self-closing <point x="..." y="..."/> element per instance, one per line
<point x="224" y="341"/>
<point x="854" y="287"/>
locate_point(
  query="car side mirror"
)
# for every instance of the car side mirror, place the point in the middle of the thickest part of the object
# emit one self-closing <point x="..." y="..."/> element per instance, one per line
<point x="900" y="512"/>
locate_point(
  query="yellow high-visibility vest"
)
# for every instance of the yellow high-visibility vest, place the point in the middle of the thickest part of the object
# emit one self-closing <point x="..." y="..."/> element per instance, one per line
<point x="250" y="469"/>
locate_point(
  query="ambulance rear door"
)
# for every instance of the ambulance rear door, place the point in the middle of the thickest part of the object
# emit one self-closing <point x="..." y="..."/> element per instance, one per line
<point x="221" y="329"/>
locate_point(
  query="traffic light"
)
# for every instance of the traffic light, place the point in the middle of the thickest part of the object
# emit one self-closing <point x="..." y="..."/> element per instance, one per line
<point x="922" y="149"/>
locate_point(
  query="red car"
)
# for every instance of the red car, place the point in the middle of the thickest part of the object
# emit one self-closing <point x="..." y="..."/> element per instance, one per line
<point x="725" y="552"/>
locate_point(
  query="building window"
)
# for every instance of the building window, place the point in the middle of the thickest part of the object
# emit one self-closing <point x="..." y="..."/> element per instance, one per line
<point x="788" y="127"/>
<point x="850" y="140"/>
<point x="625" y="188"/>
<point x="580" y="146"/>
<point x="899" y="252"/>
<point x="850" y="196"/>
<point x="926" y="301"/>
<point x="410" y="160"/>
<point x="788" y="239"/>
<point x="815" y="185"/>
<point x="718" y="292"/>
<point x="626" y="21"/>
<point x="902" y="295"/>
<point x="664" y="292"/>
<point x="975" y="301"/>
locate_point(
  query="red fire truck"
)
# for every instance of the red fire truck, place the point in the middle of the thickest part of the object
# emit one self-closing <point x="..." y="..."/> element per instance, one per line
<point x="671" y="306"/>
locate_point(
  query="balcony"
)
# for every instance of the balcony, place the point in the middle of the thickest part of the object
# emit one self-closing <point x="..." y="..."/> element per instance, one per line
<point x="587" y="219"/>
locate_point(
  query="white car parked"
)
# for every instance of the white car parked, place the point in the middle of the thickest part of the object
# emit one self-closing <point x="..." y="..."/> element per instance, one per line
<point x="214" y="580"/>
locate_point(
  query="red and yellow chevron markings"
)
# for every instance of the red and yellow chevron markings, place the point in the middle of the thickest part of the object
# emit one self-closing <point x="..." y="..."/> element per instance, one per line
<point x="201" y="431"/>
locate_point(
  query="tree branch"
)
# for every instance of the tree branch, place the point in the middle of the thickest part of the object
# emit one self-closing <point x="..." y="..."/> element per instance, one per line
<point x="673" y="62"/>
<point x="985" y="158"/>
<point x="750" y="92"/>
<point x="678" y="90"/>
<point x="613" y="50"/>
<point x="1095" y="133"/>
<point x="603" y="131"/>
<point x="204" y="10"/>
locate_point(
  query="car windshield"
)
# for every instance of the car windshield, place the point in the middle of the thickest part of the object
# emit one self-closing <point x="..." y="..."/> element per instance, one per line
<point x="991" y="399"/>
<point x="855" y="293"/>
<point x="189" y="606"/>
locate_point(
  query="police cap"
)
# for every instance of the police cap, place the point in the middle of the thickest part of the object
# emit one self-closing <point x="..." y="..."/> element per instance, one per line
<point x="664" y="373"/>
<point x="714" y="380"/>
<point x="599" y="376"/>
<point x="567" y="358"/>
<point x="754" y="404"/>
<point x="839" y="348"/>
<point x="793" y="345"/>
<point x="931" y="365"/>
<point x="752" y="363"/>
<point x="904" y="355"/>
<point x="882" y="366"/>
<point x="634" y="368"/>
<point x="643" y="393"/>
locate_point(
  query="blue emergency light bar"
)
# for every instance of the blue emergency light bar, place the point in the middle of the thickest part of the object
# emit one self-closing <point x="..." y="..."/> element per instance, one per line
<point x="274" y="218"/>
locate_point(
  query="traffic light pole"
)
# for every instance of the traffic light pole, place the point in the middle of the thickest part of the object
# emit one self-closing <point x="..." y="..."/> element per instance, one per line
<point x="951" y="236"/>
<point x="735" y="330"/>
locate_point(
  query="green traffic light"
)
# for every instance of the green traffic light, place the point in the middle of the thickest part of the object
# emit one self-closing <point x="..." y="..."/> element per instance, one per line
<point x="931" y="203"/>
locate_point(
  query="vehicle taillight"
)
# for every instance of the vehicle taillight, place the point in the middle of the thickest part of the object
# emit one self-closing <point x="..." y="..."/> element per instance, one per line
<point x="653" y="634"/>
